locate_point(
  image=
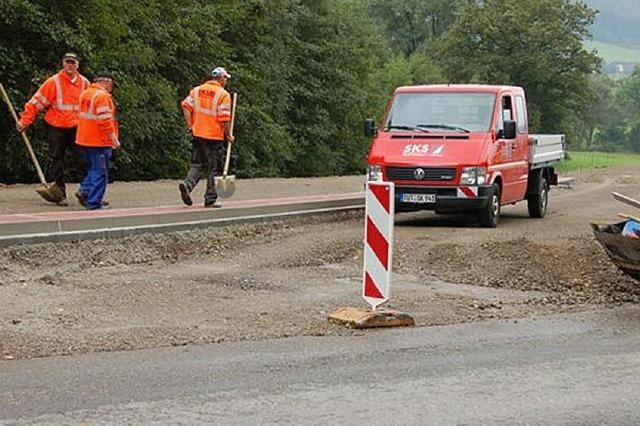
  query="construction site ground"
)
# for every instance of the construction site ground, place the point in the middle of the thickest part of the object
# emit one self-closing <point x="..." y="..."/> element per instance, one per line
<point x="283" y="278"/>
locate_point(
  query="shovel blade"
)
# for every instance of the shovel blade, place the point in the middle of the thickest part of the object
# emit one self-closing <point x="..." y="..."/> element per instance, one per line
<point x="225" y="186"/>
<point x="52" y="193"/>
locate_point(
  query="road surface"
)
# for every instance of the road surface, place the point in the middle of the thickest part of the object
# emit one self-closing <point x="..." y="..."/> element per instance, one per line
<point x="581" y="368"/>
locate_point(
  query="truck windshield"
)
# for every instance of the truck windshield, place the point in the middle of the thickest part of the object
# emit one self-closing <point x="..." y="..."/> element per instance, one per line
<point x="450" y="112"/>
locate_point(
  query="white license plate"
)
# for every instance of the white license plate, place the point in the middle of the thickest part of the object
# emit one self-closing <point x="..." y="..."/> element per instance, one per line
<point x="419" y="198"/>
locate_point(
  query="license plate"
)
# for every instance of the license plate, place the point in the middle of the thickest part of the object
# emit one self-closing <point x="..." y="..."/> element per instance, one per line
<point x="419" y="198"/>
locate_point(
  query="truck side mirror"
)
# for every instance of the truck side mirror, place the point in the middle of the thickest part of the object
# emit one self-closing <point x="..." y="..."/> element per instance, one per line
<point x="509" y="129"/>
<point x="370" y="128"/>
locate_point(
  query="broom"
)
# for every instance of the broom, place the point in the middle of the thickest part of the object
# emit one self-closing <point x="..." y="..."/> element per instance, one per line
<point x="51" y="193"/>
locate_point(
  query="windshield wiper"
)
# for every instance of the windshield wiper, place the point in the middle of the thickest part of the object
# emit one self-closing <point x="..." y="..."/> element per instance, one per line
<point x="411" y="128"/>
<point x="444" y="126"/>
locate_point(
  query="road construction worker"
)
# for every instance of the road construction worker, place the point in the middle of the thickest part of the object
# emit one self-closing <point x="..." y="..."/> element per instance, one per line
<point x="207" y="112"/>
<point x="59" y="96"/>
<point x="97" y="136"/>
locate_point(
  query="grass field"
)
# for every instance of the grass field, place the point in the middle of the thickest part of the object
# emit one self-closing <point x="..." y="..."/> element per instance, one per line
<point x="591" y="160"/>
<point x="613" y="53"/>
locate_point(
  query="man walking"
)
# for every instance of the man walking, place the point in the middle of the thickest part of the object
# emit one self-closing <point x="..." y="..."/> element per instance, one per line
<point x="97" y="135"/>
<point x="59" y="96"/>
<point x="207" y="112"/>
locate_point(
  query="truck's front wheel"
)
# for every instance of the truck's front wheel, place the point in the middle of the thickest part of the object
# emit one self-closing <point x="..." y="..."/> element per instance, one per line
<point x="537" y="203"/>
<point x="490" y="216"/>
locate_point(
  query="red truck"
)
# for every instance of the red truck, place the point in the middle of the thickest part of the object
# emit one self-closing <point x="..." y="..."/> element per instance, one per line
<point x="463" y="148"/>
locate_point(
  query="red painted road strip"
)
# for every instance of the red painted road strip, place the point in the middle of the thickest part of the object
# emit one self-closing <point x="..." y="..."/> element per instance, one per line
<point x="141" y="211"/>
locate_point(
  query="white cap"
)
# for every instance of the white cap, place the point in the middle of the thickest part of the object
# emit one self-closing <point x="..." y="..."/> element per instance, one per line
<point x="220" y="72"/>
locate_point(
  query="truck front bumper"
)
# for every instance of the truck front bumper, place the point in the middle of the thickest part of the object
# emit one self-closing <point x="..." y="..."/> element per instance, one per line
<point x="449" y="198"/>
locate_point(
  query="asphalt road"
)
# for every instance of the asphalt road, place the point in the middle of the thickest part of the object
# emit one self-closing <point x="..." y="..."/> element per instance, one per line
<point x="581" y="368"/>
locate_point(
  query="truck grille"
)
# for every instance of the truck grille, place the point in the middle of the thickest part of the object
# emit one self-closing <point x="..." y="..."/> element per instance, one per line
<point x="430" y="173"/>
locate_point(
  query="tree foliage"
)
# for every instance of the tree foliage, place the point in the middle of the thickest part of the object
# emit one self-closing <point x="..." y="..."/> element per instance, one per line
<point x="536" y="44"/>
<point x="306" y="72"/>
<point x="299" y="68"/>
<point x="411" y="23"/>
<point x="616" y="118"/>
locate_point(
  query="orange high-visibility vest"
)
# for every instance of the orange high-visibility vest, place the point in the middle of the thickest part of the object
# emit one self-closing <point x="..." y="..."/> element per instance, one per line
<point x="210" y="107"/>
<point x="97" y="126"/>
<point x="59" y="96"/>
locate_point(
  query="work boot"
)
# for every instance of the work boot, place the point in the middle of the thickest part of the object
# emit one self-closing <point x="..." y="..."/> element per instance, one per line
<point x="102" y="207"/>
<point x="81" y="199"/>
<point x="184" y="193"/>
<point x="63" y="203"/>
<point x="215" y="205"/>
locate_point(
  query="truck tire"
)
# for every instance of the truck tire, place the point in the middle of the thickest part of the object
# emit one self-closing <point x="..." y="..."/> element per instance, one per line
<point x="537" y="203"/>
<point x="489" y="217"/>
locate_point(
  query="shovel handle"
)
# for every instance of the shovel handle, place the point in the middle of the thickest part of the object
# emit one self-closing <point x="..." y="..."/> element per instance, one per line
<point x="24" y="136"/>
<point x="233" y="116"/>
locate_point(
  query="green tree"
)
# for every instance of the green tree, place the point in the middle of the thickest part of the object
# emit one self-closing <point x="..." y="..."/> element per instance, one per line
<point x="602" y="126"/>
<point x="628" y="99"/>
<point x="536" y="44"/>
<point x="409" y="23"/>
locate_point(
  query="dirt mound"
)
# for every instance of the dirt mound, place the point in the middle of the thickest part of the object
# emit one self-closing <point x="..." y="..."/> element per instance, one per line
<point x="578" y="271"/>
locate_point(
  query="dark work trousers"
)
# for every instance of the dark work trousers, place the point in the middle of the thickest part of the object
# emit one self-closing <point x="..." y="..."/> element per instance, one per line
<point x="60" y="141"/>
<point x="205" y="154"/>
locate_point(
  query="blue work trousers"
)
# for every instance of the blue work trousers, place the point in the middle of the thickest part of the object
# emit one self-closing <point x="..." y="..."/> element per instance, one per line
<point x="94" y="184"/>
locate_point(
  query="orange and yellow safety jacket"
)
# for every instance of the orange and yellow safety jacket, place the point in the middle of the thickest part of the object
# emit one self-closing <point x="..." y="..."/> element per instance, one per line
<point x="210" y="107"/>
<point x="59" y="96"/>
<point x="97" y="126"/>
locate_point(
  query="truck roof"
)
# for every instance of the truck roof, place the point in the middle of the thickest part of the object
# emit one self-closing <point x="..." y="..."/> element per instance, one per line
<point x="483" y="88"/>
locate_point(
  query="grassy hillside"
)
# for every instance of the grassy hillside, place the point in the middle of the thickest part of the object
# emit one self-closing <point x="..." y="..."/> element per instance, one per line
<point x="617" y="22"/>
<point x="613" y="53"/>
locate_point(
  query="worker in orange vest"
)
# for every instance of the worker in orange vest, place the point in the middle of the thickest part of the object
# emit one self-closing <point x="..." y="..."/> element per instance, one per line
<point x="207" y="112"/>
<point x="59" y="96"/>
<point x="97" y="136"/>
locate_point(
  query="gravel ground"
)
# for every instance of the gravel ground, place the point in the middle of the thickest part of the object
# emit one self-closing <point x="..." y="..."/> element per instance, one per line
<point x="282" y="279"/>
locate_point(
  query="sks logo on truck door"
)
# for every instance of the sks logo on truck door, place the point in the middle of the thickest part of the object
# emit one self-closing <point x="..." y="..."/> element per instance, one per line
<point x="422" y="150"/>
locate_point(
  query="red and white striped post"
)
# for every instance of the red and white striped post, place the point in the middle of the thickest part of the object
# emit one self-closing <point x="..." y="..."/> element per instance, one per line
<point x="378" y="242"/>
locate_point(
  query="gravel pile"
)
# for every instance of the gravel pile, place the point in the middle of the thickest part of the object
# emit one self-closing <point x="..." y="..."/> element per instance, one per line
<point x="578" y="272"/>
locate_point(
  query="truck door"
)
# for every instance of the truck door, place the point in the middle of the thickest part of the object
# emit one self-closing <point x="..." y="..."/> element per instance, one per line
<point x="521" y="149"/>
<point x="506" y="155"/>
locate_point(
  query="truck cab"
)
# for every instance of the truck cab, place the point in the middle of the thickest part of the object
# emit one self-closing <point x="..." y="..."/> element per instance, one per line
<point x="463" y="148"/>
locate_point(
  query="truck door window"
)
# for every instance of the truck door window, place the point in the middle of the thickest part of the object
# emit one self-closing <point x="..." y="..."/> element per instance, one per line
<point x="522" y="114"/>
<point x="506" y="112"/>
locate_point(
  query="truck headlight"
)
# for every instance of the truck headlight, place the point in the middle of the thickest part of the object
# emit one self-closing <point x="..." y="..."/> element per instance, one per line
<point x="473" y="176"/>
<point x="375" y="173"/>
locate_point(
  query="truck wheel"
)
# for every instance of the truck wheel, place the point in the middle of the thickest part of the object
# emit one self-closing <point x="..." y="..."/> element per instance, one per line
<point x="490" y="215"/>
<point x="537" y="203"/>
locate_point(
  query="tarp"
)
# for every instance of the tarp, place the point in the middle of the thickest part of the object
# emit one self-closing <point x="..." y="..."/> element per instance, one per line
<point x="623" y="251"/>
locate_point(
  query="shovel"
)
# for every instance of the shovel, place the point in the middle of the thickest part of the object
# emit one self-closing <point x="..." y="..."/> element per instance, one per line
<point x="226" y="185"/>
<point x="51" y="193"/>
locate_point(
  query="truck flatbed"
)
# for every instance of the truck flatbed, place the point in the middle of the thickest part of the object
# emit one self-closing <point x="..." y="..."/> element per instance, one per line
<point x="546" y="150"/>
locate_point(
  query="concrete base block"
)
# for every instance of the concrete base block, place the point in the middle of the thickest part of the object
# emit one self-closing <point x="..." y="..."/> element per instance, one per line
<point x="366" y="318"/>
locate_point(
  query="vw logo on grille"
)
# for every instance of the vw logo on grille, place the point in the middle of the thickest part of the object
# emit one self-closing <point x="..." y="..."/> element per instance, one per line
<point x="418" y="174"/>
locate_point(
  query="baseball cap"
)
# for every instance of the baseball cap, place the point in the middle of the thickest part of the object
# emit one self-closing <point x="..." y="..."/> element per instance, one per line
<point x="105" y="75"/>
<point x="218" y="72"/>
<point x="71" y="55"/>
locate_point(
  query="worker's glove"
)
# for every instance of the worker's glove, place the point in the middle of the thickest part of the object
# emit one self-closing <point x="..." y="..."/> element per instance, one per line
<point x="21" y="127"/>
<point x="231" y="139"/>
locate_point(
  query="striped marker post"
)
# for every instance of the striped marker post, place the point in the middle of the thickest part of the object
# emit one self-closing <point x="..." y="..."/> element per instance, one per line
<point x="378" y="242"/>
